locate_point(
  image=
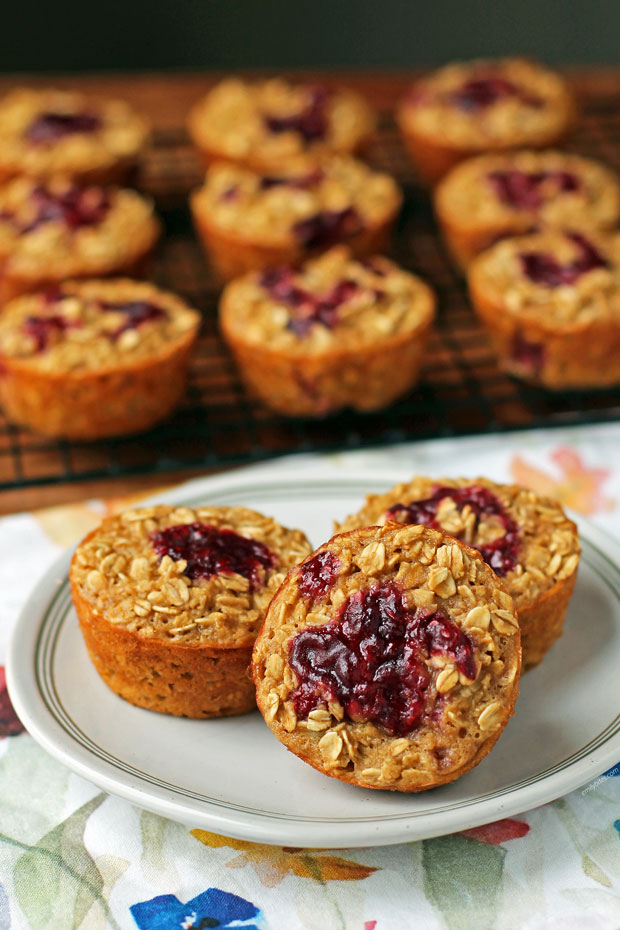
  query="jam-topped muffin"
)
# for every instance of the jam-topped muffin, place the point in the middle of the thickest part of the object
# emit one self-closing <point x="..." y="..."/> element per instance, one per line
<point x="334" y="333"/>
<point x="269" y="124"/>
<point x="89" y="359"/>
<point x="170" y="599"/>
<point x="249" y="221"/>
<point x="389" y="658"/>
<point x="472" y="107"/>
<point x="551" y="305"/>
<point x="488" y="198"/>
<point x="48" y="132"/>
<point x="528" y="541"/>
<point x="53" y="230"/>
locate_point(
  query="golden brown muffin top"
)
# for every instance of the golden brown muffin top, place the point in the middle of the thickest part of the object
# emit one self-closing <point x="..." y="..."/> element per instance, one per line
<point x="330" y="303"/>
<point x="526" y="538"/>
<point x="547" y="188"/>
<point x="193" y="575"/>
<point x="89" y="325"/>
<point x="489" y="103"/>
<point x="316" y="204"/>
<point x="566" y="279"/>
<point x="46" y="132"/>
<point x="270" y="123"/>
<point x="57" y="229"/>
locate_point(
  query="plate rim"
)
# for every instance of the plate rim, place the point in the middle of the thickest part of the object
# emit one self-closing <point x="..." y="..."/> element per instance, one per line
<point x="269" y="827"/>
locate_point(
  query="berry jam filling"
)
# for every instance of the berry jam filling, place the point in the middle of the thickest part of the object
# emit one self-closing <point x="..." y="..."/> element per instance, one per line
<point x="543" y="268"/>
<point x="76" y="207"/>
<point x="308" y="309"/>
<point x="521" y="189"/>
<point x="485" y="90"/>
<point x="310" y="123"/>
<point x="328" y="227"/>
<point x="136" y="312"/>
<point x="501" y="554"/>
<point x="529" y="355"/>
<point x="49" y="127"/>
<point x="42" y="329"/>
<point x="209" y="551"/>
<point x="303" y="182"/>
<point x="318" y="574"/>
<point x="372" y="659"/>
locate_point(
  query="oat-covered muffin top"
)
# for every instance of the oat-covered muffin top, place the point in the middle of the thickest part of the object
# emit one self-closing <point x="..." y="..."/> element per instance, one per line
<point x="330" y="303"/>
<point x="389" y="658"/>
<point x="487" y="103"/>
<point x="270" y="123"/>
<point x="527" y="539"/>
<point x="195" y="575"/>
<point x="89" y="325"/>
<point x="45" y="132"/>
<point x="547" y="188"/>
<point x="563" y="279"/>
<point x="57" y="229"/>
<point x="314" y="205"/>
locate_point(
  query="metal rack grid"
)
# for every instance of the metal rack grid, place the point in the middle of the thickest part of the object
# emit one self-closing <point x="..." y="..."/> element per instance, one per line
<point x="462" y="391"/>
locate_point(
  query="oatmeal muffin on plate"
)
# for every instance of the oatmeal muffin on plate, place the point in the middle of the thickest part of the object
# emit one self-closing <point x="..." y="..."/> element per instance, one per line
<point x="90" y="359"/>
<point x="389" y="658"/>
<point x="248" y="221"/>
<point x="53" y="230"/>
<point x="527" y="539"/>
<point x="169" y="600"/>
<point x="48" y="132"/>
<point x="488" y="198"/>
<point x="467" y="108"/>
<point x="551" y="306"/>
<point x="334" y="333"/>
<point x="268" y="124"/>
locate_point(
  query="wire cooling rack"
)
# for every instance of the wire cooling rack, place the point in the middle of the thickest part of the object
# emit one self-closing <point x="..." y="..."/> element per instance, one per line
<point x="462" y="391"/>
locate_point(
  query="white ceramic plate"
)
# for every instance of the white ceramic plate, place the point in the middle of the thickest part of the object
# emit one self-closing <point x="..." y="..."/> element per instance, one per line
<point x="232" y="776"/>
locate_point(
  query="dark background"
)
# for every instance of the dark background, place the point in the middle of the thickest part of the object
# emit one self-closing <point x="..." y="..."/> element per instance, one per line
<point x="75" y="35"/>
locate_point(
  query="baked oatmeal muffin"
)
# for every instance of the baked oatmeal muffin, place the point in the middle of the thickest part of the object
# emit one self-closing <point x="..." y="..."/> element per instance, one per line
<point x="527" y="539"/>
<point x="467" y="108"/>
<point x="389" y="658"/>
<point x="249" y="221"/>
<point x="169" y="601"/>
<point x="267" y="125"/>
<point x="89" y="359"/>
<point x="335" y="333"/>
<point x="488" y="198"/>
<point x="551" y="306"/>
<point x="48" y="132"/>
<point x="53" y="230"/>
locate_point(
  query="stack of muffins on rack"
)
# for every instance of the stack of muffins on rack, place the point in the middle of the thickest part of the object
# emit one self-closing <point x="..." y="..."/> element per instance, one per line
<point x="86" y="352"/>
<point x="531" y="226"/>
<point x="316" y="318"/>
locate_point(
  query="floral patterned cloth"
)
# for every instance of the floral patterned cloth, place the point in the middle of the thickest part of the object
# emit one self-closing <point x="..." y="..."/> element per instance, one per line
<point x="73" y="857"/>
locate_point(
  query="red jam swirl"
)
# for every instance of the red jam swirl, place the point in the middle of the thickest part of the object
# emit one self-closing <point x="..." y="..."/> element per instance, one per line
<point x="543" y="268"/>
<point x="210" y="551"/>
<point x="522" y="190"/>
<point x="372" y="659"/>
<point x="50" y="127"/>
<point x="501" y="554"/>
<point x="308" y="309"/>
<point x="317" y="574"/>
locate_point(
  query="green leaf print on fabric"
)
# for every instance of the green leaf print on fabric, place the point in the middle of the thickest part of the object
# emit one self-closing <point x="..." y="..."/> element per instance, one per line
<point x="57" y="877"/>
<point x="463" y="879"/>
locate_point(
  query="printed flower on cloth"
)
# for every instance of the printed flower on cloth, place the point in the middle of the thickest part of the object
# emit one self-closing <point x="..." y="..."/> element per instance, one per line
<point x="211" y="908"/>
<point x="579" y="485"/>
<point x="273" y="863"/>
